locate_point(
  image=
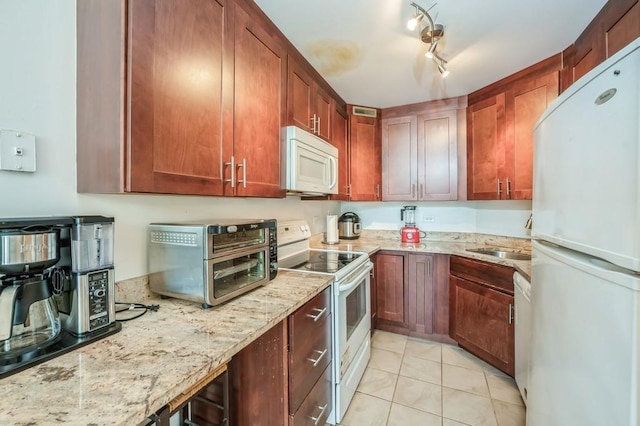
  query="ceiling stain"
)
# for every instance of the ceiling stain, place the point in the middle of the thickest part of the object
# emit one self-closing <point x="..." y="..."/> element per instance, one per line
<point x="335" y="57"/>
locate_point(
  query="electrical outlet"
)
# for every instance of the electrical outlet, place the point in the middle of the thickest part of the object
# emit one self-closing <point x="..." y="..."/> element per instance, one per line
<point x="430" y="219"/>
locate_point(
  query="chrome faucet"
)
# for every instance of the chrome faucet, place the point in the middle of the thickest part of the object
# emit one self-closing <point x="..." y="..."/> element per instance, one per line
<point x="527" y="225"/>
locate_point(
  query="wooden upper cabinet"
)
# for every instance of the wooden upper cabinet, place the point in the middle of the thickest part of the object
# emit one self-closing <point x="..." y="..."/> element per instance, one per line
<point x="525" y="104"/>
<point x="400" y="158"/>
<point x="616" y="25"/>
<point x="437" y="156"/>
<point x="485" y="148"/>
<point x="259" y="108"/>
<point x="340" y="139"/>
<point x="364" y="158"/>
<point x="164" y="131"/>
<point x="192" y="102"/>
<point x="500" y="138"/>
<point x="419" y="151"/>
<point x="308" y="105"/>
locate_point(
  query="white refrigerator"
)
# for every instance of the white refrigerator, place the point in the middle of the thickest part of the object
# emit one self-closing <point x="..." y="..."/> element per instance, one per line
<point x="585" y="289"/>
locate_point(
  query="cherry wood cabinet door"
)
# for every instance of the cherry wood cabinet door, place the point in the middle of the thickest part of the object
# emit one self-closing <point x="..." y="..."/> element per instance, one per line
<point x="400" y="159"/>
<point x="525" y="103"/>
<point x="365" y="158"/>
<point x="258" y="380"/>
<point x="485" y="149"/>
<point x="299" y="95"/>
<point x="339" y="139"/>
<point x="437" y="156"/>
<point x="323" y="110"/>
<point x="179" y="90"/>
<point x="481" y="322"/>
<point x="259" y="109"/>
<point x="390" y="278"/>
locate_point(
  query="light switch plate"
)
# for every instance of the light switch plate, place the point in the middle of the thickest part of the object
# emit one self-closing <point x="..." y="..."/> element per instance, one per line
<point x="17" y="151"/>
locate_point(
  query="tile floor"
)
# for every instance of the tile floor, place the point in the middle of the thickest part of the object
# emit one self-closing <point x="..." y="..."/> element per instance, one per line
<point x="416" y="382"/>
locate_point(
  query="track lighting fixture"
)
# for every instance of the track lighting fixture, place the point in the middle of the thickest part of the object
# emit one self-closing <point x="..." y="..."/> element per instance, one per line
<point x="431" y="33"/>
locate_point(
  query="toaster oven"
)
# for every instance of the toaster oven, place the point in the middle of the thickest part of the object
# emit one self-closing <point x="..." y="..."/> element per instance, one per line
<point x="212" y="262"/>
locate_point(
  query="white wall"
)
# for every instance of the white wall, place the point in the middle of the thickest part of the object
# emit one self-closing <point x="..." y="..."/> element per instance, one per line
<point x="38" y="96"/>
<point x="488" y="217"/>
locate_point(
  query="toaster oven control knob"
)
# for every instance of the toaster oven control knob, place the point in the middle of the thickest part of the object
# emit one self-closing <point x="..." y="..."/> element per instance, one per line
<point x="232" y="228"/>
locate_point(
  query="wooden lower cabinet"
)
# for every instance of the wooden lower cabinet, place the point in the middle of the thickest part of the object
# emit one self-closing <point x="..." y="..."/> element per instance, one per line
<point x="310" y="354"/>
<point x="412" y="294"/>
<point x="258" y="376"/>
<point x="390" y="291"/>
<point x="481" y="311"/>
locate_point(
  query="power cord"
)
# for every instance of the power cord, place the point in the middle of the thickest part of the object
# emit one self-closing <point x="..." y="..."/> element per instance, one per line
<point x="133" y="307"/>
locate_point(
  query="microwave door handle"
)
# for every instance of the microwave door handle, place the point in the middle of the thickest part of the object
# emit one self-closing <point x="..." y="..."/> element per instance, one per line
<point x="353" y="283"/>
<point x="334" y="172"/>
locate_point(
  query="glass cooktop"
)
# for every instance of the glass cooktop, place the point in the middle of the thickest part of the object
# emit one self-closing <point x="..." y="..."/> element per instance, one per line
<point x="328" y="261"/>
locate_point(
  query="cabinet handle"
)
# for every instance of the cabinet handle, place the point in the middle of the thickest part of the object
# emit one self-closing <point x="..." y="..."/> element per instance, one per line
<point x="320" y="313"/>
<point x="232" y="164"/>
<point x="318" y="127"/>
<point x="508" y="189"/>
<point x="421" y="191"/>
<point x="244" y="172"/>
<point x="322" y="410"/>
<point x="499" y="188"/>
<point x="315" y="122"/>
<point x="511" y="313"/>
<point x="413" y="191"/>
<point x="316" y="361"/>
<point x="378" y="191"/>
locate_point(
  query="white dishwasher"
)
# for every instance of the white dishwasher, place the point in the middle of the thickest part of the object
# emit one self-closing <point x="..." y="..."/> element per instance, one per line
<point x="522" y="289"/>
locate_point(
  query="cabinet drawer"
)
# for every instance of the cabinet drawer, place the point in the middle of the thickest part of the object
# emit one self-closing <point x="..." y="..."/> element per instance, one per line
<point x="316" y="407"/>
<point x="304" y="321"/>
<point x="489" y="274"/>
<point x="308" y="358"/>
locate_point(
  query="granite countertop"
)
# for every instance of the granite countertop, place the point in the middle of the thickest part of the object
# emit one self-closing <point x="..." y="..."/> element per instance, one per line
<point x="122" y="379"/>
<point x="453" y="243"/>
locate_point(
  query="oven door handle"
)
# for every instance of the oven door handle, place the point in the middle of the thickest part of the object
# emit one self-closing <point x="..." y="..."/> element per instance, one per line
<point x="342" y="288"/>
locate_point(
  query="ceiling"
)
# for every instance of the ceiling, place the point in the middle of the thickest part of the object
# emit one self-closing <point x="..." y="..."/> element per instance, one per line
<point x="366" y="53"/>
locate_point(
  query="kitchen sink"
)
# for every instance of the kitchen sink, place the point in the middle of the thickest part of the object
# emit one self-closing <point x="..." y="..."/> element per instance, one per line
<point x="502" y="253"/>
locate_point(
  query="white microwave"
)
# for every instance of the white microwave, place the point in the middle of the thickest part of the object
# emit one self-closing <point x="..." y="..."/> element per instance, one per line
<point x="309" y="164"/>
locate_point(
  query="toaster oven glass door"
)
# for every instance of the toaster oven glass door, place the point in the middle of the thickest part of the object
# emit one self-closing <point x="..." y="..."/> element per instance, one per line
<point x="223" y="243"/>
<point x="232" y="274"/>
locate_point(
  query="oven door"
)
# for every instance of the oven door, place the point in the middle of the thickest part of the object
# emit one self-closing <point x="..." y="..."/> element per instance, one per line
<point x="353" y="315"/>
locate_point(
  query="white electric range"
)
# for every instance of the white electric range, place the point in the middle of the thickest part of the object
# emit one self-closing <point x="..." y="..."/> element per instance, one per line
<point x="351" y="305"/>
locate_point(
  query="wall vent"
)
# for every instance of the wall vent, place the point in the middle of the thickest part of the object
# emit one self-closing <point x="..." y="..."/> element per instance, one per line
<point x="365" y="112"/>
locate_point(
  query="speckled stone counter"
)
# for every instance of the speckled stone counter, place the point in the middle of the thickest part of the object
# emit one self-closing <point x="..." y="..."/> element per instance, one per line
<point x="122" y="379"/>
<point x="453" y="243"/>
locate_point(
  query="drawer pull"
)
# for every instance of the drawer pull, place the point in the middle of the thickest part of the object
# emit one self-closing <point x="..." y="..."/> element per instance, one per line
<point x="320" y="313"/>
<point x="317" y="360"/>
<point x="322" y="410"/>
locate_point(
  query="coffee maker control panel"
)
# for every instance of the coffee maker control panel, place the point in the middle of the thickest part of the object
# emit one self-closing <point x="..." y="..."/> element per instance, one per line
<point x="98" y="299"/>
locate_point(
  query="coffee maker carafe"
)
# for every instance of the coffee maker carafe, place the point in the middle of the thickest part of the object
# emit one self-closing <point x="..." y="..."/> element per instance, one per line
<point x="409" y="233"/>
<point x="29" y="320"/>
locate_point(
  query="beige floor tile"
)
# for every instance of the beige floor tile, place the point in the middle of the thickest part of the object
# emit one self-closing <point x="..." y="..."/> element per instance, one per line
<point x="464" y="379"/>
<point x="418" y="394"/>
<point x="449" y="422"/>
<point x="509" y="414"/>
<point x="421" y="369"/>
<point x="453" y="355"/>
<point x="378" y="383"/>
<point x="467" y="408"/>
<point x="366" y="410"/>
<point x="388" y="341"/>
<point x="385" y="360"/>
<point x="406" y="416"/>
<point x="504" y="388"/>
<point x="425" y="350"/>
